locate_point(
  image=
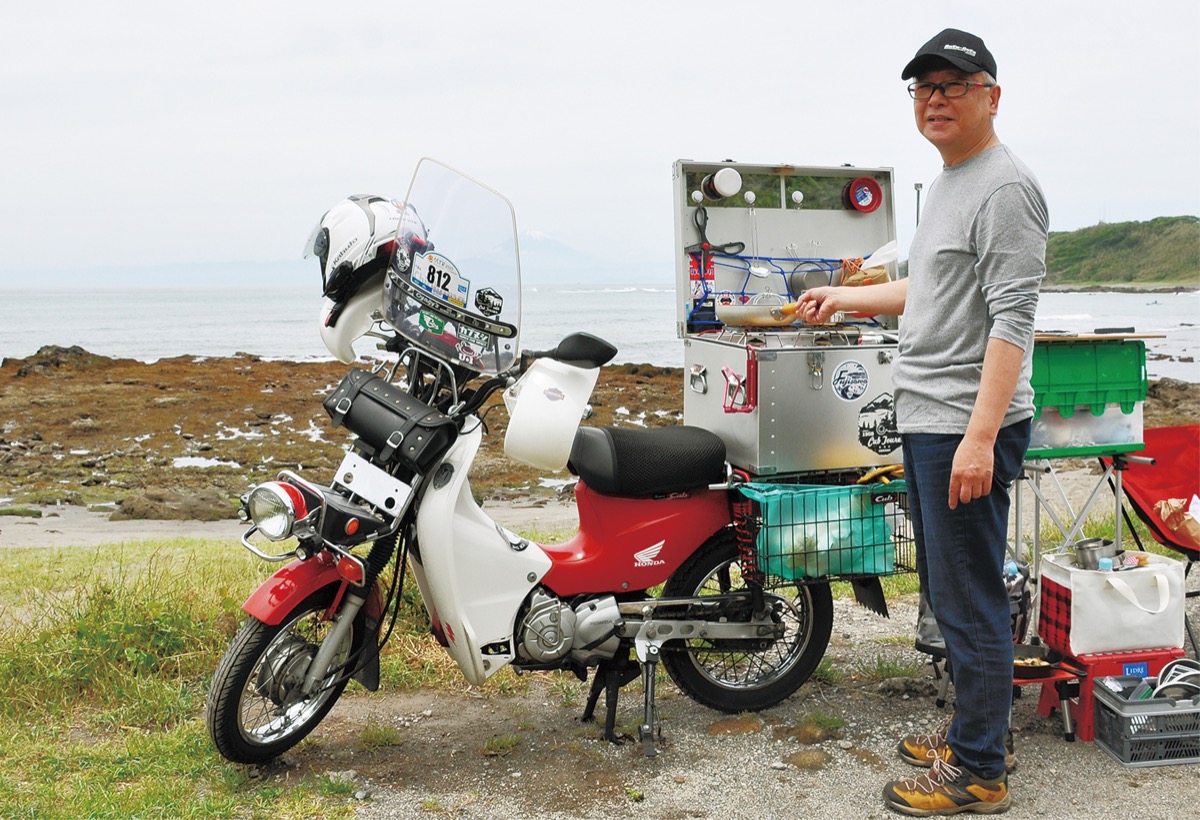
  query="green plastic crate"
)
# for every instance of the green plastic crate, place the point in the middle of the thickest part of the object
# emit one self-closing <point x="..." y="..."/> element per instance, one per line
<point x="1096" y="377"/>
<point x="1091" y="373"/>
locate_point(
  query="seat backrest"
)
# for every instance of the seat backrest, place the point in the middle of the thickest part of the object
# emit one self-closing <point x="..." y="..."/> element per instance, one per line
<point x="1174" y="474"/>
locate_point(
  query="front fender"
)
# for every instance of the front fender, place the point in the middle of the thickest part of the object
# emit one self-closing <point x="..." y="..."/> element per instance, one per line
<point x="297" y="580"/>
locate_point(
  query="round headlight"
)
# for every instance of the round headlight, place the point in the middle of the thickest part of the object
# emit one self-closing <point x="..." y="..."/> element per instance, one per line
<point x="274" y="508"/>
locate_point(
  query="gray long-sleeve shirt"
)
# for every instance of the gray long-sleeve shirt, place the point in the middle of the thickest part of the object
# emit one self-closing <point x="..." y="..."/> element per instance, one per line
<point x="975" y="266"/>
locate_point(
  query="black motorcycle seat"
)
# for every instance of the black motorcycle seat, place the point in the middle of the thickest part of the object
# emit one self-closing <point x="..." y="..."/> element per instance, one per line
<point x="629" y="462"/>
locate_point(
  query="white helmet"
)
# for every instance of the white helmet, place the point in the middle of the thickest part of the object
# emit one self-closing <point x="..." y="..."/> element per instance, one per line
<point x="353" y="240"/>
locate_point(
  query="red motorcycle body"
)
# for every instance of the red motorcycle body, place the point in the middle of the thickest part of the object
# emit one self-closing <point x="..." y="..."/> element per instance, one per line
<point x="632" y="544"/>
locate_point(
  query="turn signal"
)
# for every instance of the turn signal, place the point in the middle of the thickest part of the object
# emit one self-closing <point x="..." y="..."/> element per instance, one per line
<point x="351" y="569"/>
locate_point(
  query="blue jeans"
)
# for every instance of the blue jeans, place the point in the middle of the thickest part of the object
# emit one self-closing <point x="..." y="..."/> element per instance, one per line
<point x="960" y="561"/>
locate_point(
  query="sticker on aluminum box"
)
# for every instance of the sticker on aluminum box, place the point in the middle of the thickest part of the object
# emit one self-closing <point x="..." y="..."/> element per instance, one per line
<point x="850" y="380"/>
<point x="877" y="425"/>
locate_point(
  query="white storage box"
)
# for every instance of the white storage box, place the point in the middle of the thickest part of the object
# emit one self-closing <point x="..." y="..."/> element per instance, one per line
<point x="1085" y="431"/>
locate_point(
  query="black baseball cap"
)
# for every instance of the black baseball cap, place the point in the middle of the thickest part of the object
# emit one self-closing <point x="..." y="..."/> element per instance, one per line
<point x="960" y="49"/>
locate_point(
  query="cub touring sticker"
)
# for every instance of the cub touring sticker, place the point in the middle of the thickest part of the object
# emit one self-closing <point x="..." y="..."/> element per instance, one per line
<point x="489" y="302"/>
<point x="877" y="425"/>
<point x="850" y="380"/>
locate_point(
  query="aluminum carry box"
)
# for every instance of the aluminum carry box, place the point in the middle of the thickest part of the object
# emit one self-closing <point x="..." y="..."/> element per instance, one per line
<point x="749" y="239"/>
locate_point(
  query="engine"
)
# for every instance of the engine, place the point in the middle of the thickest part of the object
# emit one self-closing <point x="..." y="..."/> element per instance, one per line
<point x="551" y="629"/>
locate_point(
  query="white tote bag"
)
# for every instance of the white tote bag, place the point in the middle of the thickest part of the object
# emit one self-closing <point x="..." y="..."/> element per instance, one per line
<point x="1087" y="611"/>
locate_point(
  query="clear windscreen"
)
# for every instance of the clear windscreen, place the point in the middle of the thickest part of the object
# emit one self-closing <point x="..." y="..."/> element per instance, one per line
<point x="453" y="286"/>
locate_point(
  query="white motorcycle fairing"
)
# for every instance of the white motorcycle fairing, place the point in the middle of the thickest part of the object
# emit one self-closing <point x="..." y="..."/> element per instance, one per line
<point x="476" y="573"/>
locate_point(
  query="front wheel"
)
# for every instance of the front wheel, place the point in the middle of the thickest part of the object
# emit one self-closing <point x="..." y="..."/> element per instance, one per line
<point x="747" y="675"/>
<point x="255" y="710"/>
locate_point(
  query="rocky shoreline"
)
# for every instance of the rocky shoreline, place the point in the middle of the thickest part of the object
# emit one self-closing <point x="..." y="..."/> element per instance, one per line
<point x="182" y="438"/>
<point x="1122" y="287"/>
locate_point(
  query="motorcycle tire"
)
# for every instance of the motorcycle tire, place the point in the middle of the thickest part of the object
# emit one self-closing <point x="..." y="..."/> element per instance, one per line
<point x="251" y="712"/>
<point x="732" y="676"/>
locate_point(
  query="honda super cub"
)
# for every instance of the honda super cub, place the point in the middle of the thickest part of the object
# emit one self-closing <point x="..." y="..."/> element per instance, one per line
<point x="656" y="572"/>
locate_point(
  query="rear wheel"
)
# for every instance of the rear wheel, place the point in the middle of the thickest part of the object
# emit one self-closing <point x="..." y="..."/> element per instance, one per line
<point x="255" y="709"/>
<point x="747" y="675"/>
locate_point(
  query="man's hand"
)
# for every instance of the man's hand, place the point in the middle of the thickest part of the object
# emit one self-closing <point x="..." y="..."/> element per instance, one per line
<point x="971" y="472"/>
<point x="817" y="305"/>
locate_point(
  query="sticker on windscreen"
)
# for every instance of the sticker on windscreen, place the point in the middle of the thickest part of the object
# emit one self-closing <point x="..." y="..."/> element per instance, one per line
<point x="437" y="276"/>
<point x="489" y="302"/>
<point x="475" y="337"/>
<point x="850" y="380"/>
<point x="877" y="425"/>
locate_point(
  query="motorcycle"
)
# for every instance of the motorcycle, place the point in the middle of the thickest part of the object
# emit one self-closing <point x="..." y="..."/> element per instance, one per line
<point x="659" y="570"/>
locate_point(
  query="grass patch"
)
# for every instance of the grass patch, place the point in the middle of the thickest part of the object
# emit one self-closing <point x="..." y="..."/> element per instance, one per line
<point x="827" y="672"/>
<point x="883" y="666"/>
<point x="103" y="674"/>
<point x="22" y="512"/>
<point x="894" y="586"/>
<point x="377" y="736"/>
<point x="828" y="722"/>
<point x="500" y="745"/>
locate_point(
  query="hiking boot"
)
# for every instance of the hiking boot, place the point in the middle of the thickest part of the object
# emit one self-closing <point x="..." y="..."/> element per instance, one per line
<point x="947" y="789"/>
<point x="923" y="749"/>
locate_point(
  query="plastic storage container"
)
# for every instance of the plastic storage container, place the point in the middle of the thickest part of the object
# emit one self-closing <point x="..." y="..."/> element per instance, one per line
<point x="1088" y="397"/>
<point x="1084" y="433"/>
<point x="1150" y="732"/>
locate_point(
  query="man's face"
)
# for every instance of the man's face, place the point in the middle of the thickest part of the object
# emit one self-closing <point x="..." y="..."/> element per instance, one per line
<point x="956" y="125"/>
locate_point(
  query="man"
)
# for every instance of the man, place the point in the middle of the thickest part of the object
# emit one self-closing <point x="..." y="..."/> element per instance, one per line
<point x="963" y="405"/>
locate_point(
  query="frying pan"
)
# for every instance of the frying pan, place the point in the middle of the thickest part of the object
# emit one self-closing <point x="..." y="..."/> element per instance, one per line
<point x="1040" y="651"/>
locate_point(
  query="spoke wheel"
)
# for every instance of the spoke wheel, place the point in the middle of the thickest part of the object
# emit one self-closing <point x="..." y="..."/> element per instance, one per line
<point x="747" y="675"/>
<point x="255" y="708"/>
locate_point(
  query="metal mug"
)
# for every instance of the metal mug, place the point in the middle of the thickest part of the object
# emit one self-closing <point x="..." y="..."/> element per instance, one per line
<point x="1089" y="551"/>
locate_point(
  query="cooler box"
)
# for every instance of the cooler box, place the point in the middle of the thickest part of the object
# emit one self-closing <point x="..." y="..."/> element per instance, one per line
<point x="1088" y="396"/>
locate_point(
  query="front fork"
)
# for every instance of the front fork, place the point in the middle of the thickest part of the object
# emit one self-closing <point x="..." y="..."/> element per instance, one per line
<point x="343" y="621"/>
<point x="344" y="615"/>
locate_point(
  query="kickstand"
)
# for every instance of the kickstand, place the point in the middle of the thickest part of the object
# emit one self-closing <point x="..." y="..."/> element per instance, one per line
<point x="610" y="676"/>
<point x="649" y="727"/>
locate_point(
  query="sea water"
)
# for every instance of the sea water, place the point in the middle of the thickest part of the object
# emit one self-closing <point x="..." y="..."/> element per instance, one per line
<point x="150" y="324"/>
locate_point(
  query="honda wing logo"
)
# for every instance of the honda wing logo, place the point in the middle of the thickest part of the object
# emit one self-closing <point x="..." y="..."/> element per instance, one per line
<point x="649" y="556"/>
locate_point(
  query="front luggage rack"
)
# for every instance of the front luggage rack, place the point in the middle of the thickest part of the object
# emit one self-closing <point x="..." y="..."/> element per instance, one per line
<point x="805" y="532"/>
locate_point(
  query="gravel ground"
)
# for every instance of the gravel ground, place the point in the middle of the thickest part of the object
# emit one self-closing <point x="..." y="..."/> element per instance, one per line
<point x="774" y="764"/>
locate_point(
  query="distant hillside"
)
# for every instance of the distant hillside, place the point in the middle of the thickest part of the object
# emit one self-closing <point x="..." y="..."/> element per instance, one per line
<point x="1165" y="250"/>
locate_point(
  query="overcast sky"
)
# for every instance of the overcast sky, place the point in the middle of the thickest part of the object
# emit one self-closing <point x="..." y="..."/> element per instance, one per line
<point x="144" y="134"/>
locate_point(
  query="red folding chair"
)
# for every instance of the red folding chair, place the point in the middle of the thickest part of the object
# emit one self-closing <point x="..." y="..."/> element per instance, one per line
<point x="1175" y="473"/>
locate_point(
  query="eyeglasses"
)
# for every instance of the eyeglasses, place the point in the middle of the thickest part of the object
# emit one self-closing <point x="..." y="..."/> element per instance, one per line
<point x="954" y="88"/>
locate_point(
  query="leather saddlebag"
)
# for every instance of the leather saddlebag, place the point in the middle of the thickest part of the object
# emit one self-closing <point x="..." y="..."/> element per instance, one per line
<point x="393" y="426"/>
